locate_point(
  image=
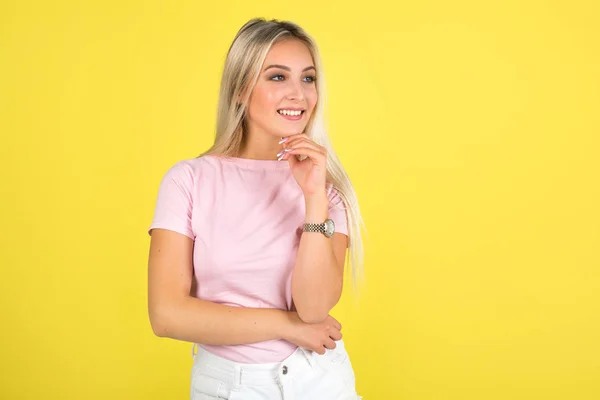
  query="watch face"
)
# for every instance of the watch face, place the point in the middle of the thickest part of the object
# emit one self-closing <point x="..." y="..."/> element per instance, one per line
<point x="329" y="227"/>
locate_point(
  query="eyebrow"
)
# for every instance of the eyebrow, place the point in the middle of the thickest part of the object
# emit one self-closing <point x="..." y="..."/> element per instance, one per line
<point x="287" y="68"/>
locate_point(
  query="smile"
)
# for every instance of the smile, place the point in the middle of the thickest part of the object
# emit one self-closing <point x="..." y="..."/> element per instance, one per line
<point x="292" y="113"/>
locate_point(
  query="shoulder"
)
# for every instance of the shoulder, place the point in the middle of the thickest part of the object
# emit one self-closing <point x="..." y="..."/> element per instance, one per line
<point x="191" y="169"/>
<point x="194" y="165"/>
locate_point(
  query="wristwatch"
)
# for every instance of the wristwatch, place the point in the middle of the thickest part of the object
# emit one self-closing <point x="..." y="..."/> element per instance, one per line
<point x="326" y="228"/>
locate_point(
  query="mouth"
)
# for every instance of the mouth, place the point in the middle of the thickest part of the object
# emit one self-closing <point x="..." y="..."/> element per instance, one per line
<point x="291" y="114"/>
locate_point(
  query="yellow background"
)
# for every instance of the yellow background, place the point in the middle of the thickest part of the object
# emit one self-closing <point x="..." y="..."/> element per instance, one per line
<point x="470" y="130"/>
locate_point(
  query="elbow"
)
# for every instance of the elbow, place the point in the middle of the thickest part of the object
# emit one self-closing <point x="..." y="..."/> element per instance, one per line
<point x="312" y="315"/>
<point x="158" y="330"/>
<point x="166" y="316"/>
<point x="314" y="311"/>
<point x="158" y="322"/>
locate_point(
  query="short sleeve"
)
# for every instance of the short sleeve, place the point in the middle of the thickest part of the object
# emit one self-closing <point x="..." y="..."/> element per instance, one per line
<point x="337" y="211"/>
<point x="174" y="202"/>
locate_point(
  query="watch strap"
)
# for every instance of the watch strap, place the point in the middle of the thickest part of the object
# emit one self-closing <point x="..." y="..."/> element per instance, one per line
<point x="308" y="227"/>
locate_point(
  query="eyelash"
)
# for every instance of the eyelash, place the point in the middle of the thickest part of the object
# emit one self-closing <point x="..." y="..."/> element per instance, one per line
<point x="313" y="78"/>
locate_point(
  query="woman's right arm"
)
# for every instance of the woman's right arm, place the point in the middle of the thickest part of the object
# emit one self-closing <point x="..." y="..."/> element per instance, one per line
<point x="174" y="313"/>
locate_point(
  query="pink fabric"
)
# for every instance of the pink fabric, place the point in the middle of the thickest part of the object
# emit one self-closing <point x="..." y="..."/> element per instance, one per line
<point x="245" y="217"/>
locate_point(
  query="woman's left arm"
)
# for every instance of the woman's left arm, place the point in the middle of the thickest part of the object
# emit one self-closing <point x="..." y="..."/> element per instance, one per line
<point x="318" y="274"/>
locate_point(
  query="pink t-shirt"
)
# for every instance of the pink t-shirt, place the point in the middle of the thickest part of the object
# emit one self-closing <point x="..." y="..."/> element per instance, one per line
<point x="245" y="217"/>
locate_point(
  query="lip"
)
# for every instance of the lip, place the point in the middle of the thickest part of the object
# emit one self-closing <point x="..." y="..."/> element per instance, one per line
<point x="291" y="108"/>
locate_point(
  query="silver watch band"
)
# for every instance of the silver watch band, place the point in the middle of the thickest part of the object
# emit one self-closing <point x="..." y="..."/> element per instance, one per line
<point x="326" y="228"/>
<point x="314" y="228"/>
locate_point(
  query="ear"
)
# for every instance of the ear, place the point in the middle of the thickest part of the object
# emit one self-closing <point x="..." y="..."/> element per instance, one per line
<point x="240" y="97"/>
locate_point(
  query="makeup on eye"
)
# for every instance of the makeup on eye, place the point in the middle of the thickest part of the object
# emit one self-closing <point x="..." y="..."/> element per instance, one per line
<point x="312" y="78"/>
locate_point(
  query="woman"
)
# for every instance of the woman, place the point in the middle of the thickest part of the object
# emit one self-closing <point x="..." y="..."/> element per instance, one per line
<point x="248" y="240"/>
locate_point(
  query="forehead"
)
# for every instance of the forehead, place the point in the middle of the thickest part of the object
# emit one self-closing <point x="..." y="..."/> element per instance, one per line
<point x="290" y="52"/>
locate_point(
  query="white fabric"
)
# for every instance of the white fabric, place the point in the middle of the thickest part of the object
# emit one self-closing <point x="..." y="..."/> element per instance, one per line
<point x="304" y="375"/>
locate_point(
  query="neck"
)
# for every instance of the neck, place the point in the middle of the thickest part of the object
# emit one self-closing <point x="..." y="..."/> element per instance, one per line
<point x="260" y="146"/>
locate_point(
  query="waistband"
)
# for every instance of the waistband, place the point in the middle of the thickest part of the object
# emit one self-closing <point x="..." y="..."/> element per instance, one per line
<point x="238" y="374"/>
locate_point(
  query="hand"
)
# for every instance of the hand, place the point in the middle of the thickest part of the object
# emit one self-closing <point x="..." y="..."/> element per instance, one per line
<point x="310" y="172"/>
<point x="316" y="337"/>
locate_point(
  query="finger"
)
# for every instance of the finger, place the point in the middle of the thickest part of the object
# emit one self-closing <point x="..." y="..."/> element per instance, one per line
<point x="302" y="154"/>
<point x="300" y="139"/>
<point x="335" y="335"/>
<point x="288" y="139"/>
<point x="291" y="159"/>
<point x="320" y="350"/>
<point x="310" y="142"/>
<point x="334" y="327"/>
<point x="335" y="323"/>
<point x="316" y="156"/>
<point x="329" y="344"/>
<point x="297" y="138"/>
<point x="307" y="144"/>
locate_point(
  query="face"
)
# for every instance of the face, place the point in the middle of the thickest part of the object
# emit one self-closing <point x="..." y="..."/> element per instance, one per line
<point x="285" y="94"/>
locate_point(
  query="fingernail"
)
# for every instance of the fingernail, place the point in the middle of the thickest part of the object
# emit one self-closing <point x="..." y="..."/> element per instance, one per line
<point x="280" y="157"/>
<point x="283" y="140"/>
<point x="280" y="153"/>
<point x="286" y="150"/>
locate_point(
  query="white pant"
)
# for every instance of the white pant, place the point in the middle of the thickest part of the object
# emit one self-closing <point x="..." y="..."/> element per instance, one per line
<point x="303" y="375"/>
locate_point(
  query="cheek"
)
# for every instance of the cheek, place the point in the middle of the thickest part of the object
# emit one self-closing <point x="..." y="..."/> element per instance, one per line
<point x="311" y="98"/>
<point x="263" y="102"/>
<point x="271" y="100"/>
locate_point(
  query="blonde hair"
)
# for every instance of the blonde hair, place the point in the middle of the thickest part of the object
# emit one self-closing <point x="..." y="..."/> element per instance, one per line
<point x="243" y="63"/>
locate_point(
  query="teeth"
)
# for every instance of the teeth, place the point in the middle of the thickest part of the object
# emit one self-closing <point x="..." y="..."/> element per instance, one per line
<point x="290" y="112"/>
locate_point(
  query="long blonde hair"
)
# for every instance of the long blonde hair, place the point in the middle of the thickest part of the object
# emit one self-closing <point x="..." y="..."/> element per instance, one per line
<point x="244" y="60"/>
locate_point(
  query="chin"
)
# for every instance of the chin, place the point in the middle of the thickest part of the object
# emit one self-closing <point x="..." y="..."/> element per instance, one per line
<point x="290" y="132"/>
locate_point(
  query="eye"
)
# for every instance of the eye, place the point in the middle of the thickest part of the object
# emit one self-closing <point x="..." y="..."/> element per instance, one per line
<point x="312" y="78"/>
<point x="276" y="76"/>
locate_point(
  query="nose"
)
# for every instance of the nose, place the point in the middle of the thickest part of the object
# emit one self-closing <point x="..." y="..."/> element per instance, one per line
<point x="295" y="91"/>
